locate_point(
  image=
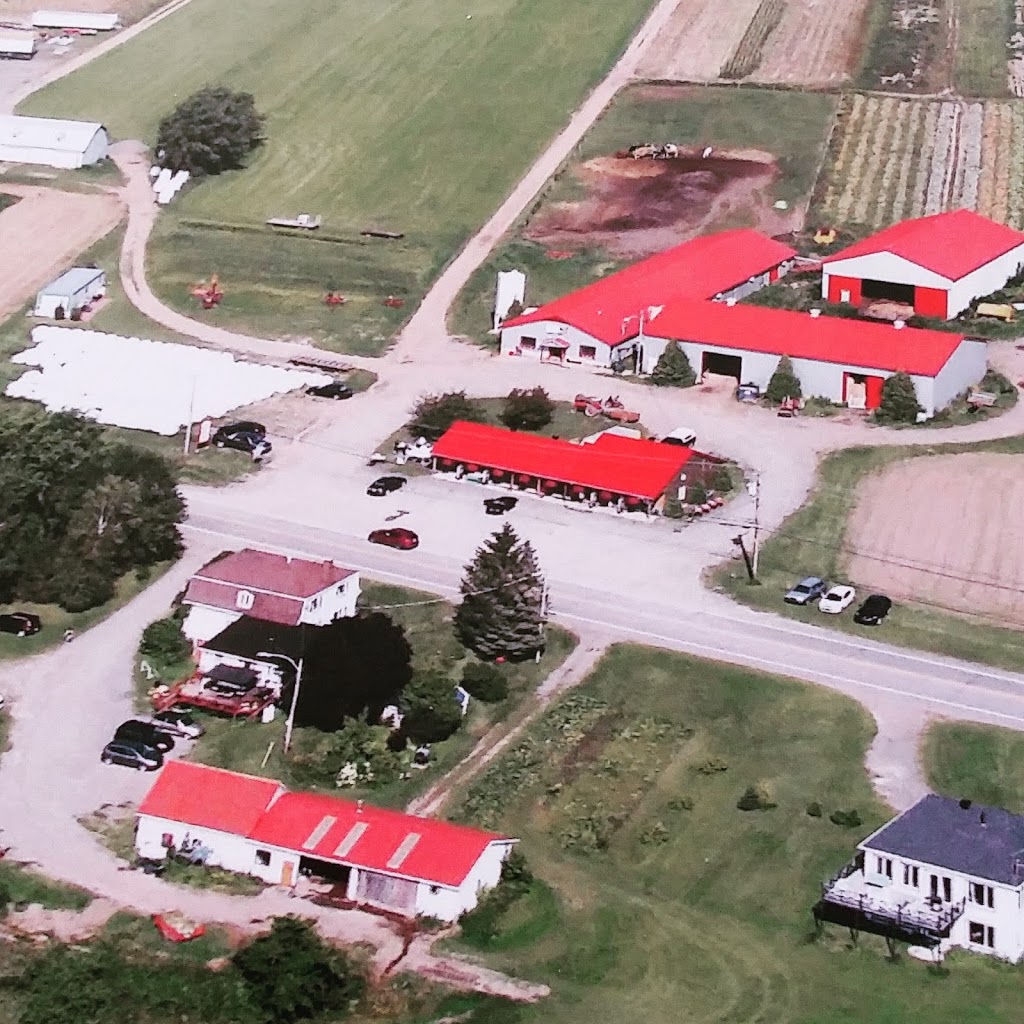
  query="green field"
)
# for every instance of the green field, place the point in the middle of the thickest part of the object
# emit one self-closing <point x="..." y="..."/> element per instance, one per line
<point x="979" y="762"/>
<point x="406" y="116"/>
<point x="811" y="542"/>
<point x="792" y="125"/>
<point x="667" y="914"/>
<point x="984" y="28"/>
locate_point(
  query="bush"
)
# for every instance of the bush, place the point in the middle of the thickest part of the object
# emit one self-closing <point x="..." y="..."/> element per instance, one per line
<point x="784" y="383"/>
<point x="696" y="494"/>
<point x="755" y="798"/>
<point x="85" y="586"/>
<point x="814" y="809"/>
<point x="434" y="414"/>
<point x="431" y="711"/>
<point x="5" y="900"/>
<point x="847" y="819"/>
<point x="480" y="925"/>
<point x="722" y="480"/>
<point x="485" y="682"/>
<point x="673" y="368"/>
<point x="165" y="641"/>
<point x="899" y="400"/>
<point x="527" y="410"/>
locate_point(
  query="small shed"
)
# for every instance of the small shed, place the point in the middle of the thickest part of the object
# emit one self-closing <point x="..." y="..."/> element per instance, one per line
<point x="95" y="21"/>
<point x="51" y="141"/>
<point x="511" y="288"/>
<point x="71" y="291"/>
<point x="17" y="45"/>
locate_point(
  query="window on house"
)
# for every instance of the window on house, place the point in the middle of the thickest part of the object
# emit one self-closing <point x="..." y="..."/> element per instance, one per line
<point x="947" y="890"/>
<point x="244" y="599"/>
<point x="588" y="352"/>
<point x="983" y="895"/>
<point x="263" y="857"/>
<point x="434" y="890"/>
<point x="528" y="343"/>
<point x="911" y="875"/>
<point x="314" y="604"/>
<point x="884" y="866"/>
<point x="981" y="935"/>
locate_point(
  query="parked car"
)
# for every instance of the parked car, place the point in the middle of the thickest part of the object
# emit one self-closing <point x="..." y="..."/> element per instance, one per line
<point x="20" y="623"/>
<point x="226" y="688"/>
<point x="807" y="590"/>
<point x="144" y="732"/>
<point x="683" y="436"/>
<point x="405" y="540"/>
<point x="873" y="610"/>
<point x="385" y="485"/>
<point x="178" y="722"/>
<point x="499" y="506"/>
<point x="836" y="600"/>
<point x="243" y="427"/>
<point x="139" y="757"/>
<point x="336" y="389"/>
<point x="255" y="445"/>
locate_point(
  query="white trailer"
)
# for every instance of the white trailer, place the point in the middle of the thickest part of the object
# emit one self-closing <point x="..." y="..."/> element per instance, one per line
<point x="15" y="45"/>
<point x="84" y="21"/>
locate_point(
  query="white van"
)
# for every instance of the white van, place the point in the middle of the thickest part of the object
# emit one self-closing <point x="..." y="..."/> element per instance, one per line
<point x="682" y="436"/>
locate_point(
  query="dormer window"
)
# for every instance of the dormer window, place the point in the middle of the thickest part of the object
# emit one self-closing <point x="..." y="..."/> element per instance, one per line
<point x="244" y="600"/>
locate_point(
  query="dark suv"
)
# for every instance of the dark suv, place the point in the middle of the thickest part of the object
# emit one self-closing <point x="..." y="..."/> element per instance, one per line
<point x="134" y="731"/>
<point x="20" y="623"/>
<point x="132" y="755"/>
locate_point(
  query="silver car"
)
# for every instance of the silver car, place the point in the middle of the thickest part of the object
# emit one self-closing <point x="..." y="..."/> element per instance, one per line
<point x="807" y="590"/>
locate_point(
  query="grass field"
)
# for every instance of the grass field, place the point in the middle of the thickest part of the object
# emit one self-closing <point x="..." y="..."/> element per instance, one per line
<point x="409" y="117"/>
<point x="979" y="762"/>
<point x="985" y="26"/>
<point x="812" y="541"/>
<point x="701" y="914"/>
<point x="241" y="746"/>
<point x="792" y="125"/>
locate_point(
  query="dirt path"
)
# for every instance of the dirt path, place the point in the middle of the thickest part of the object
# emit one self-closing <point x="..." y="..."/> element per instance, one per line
<point x="43" y="232"/>
<point x="570" y="673"/>
<point x="894" y="758"/>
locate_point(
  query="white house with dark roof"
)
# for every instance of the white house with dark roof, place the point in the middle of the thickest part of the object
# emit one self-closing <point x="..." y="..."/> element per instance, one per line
<point x="943" y="874"/>
<point x="275" y="588"/>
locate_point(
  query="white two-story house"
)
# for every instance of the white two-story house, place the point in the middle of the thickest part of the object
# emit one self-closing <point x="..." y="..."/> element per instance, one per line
<point x="944" y="874"/>
<point x="274" y="588"/>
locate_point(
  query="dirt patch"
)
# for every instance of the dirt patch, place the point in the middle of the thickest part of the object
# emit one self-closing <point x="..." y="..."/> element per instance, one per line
<point x="955" y="537"/>
<point x="639" y="207"/>
<point x="47" y="230"/>
<point x="589" y="749"/>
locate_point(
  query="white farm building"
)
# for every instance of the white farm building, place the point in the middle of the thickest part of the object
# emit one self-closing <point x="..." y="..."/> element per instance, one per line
<point x="71" y="291"/>
<point x="55" y="143"/>
<point x="83" y="21"/>
<point x="380" y="858"/>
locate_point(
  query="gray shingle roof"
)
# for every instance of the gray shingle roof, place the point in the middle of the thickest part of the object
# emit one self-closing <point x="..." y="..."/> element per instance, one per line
<point x="986" y="842"/>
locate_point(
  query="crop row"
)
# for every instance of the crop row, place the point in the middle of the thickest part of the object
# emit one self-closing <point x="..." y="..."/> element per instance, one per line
<point x="747" y="55"/>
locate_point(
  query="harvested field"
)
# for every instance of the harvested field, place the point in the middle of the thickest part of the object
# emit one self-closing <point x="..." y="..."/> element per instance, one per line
<point x="911" y="50"/>
<point x="955" y="538"/>
<point x="48" y="229"/>
<point x="893" y="158"/>
<point x="638" y="207"/>
<point x="697" y="42"/>
<point x="816" y="42"/>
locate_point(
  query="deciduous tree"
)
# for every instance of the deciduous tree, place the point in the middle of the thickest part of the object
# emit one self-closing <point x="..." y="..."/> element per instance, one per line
<point x="431" y="711"/>
<point x="527" y="409"/>
<point x="434" y="414"/>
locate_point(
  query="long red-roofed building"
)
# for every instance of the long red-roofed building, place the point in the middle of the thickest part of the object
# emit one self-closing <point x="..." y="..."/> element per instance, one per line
<point x="938" y="264"/>
<point x="383" y="858"/>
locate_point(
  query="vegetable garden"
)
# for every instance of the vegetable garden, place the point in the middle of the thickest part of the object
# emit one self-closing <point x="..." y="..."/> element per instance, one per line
<point x="893" y="158"/>
<point x="747" y="55"/>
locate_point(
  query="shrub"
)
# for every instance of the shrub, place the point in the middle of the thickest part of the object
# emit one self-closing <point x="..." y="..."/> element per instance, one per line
<point x="696" y="494"/>
<point x="712" y="765"/>
<point x="721" y="480"/>
<point x="673" y="368"/>
<point x="431" y="711"/>
<point x="165" y="641"/>
<point x="784" y="383"/>
<point x="5" y="900"/>
<point x="434" y="414"/>
<point x="485" y="682"/>
<point x="481" y="924"/>
<point x="847" y="819"/>
<point x="814" y="809"/>
<point x="527" y="410"/>
<point x="755" y="798"/>
<point x="899" y="400"/>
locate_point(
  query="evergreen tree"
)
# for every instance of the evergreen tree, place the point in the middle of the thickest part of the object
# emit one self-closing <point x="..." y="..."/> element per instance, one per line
<point x="673" y="368"/>
<point x="434" y="414"/>
<point x="501" y="613"/>
<point x="431" y="711"/>
<point x="784" y="383"/>
<point x="899" y="400"/>
<point x="527" y="409"/>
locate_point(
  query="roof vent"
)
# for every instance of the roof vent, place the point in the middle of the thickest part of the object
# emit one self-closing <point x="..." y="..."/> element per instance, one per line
<point x="899" y="324"/>
<point x="815" y="313"/>
<point x="731" y="301"/>
<point x="981" y="819"/>
<point x="359" y="807"/>
<point x="965" y="804"/>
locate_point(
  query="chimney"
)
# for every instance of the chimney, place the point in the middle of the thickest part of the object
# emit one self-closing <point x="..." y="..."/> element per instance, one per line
<point x="815" y="312"/>
<point x="359" y="807"/>
<point x="731" y="301"/>
<point x="288" y="559"/>
<point x="965" y="804"/>
<point x="981" y="818"/>
<point x="899" y="324"/>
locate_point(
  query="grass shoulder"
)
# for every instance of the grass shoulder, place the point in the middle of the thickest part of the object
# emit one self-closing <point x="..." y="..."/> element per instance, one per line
<point x="24" y="887"/>
<point x="979" y="762"/>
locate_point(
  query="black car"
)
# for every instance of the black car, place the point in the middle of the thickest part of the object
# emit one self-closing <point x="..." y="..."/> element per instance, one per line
<point x="335" y="390"/>
<point x="385" y="485"/>
<point x="137" y="756"/>
<point x="136" y="732"/>
<point x="499" y="506"/>
<point x="20" y="623"/>
<point x="178" y="723"/>
<point x="255" y="445"/>
<point x="244" y="427"/>
<point x="873" y="610"/>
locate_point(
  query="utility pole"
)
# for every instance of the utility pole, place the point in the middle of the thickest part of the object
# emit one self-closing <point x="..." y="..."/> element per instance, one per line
<point x="191" y="416"/>
<point x="746" y="556"/>
<point x="757" y="524"/>
<point x="289" y="724"/>
<point x="543" y="620"/>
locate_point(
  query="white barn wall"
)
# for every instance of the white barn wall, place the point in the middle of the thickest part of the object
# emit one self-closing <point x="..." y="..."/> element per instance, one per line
<point x="985" y="280"/>
<point x="967" y="365"/>
<point x="882" y="266"/>
<point x="335" y="602"/>
<point x="231" y="852"/>
<point x="605" y="355"/>
<point x="204" y="622"/>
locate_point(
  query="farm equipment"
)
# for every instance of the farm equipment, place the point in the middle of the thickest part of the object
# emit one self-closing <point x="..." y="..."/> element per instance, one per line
<point x="209" y="293"/>
<point x="305" y="221"/>
<point x="650" y="151"/>
<point x="789" y="407"/>
<point x="394" y="303"/>
<point x="332" y="298"/>
<point x="825" y="236"/>
<point x="981" y="400"/>
<point x="611" y="407"/>
<point x="998" y="310"/>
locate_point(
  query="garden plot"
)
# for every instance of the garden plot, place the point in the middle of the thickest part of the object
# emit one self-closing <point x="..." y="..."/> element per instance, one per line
<point x="955" y="537"/>
<point x="145" y="385"/>
<point x="894" y="158"/>
<point x="904" y="55"/>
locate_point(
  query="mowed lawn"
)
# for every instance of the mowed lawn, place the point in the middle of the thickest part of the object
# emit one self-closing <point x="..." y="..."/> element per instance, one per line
<point x="980" y="762"/>
<point x="407" y="116"/>
<point x="664" y="902"/>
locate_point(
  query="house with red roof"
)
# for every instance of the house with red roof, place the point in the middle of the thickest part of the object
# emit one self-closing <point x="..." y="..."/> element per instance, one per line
<point x="601" y="324"/>
<point x="938" y="264"/>
<point x="378" y="857"/>
<point x="841" y="359"/>
<point x="274" y="588"/>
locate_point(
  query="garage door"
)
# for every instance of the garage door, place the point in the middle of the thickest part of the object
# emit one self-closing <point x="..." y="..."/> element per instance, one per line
<point x="861" y="391"/>
<point x="723" y="365"/>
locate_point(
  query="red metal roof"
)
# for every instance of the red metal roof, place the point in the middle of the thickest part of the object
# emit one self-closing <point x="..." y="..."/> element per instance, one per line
<point x="209" y="797"/>
<point x="828" y="339"/>
<point x="309" y="824"/>
<point x="370" y="837"/>
<point x="698" y="269"/>
<point x="622" y="465"/>
<point x="950" y="244"/>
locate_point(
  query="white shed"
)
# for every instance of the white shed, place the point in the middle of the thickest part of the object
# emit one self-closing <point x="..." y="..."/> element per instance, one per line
<point x="53" y="142"/>
<point x="95" y="21"/>
<point x="511" y="287"/>
<point x="17" y="45"/>
<point x="71" y="291"/>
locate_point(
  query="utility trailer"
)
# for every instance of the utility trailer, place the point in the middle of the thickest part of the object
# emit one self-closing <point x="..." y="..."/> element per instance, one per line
<point x="305" y="221"/>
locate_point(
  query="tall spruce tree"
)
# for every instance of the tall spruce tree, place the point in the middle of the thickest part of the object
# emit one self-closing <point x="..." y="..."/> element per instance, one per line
<point x="673" y="368"/>
<point x="784" y="383"/>
<point x="502" y="613"/>
<point x="899" y="400"/>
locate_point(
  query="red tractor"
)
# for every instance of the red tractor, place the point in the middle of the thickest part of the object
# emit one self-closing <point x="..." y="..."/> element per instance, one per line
<point x="209" y="293"/>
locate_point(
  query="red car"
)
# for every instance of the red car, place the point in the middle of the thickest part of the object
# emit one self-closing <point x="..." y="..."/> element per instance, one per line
<point x="406" y="540"/>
